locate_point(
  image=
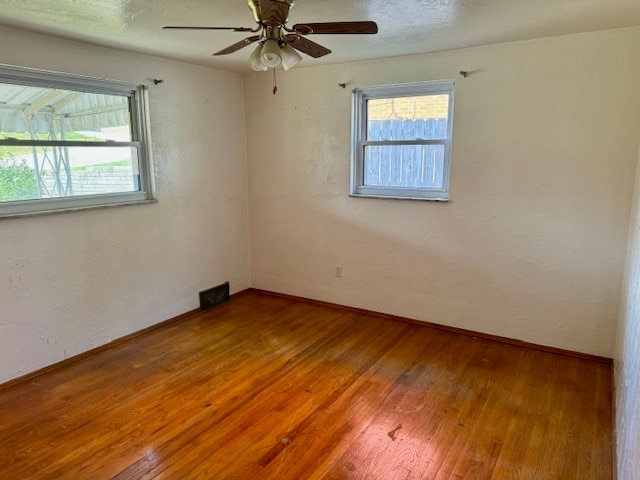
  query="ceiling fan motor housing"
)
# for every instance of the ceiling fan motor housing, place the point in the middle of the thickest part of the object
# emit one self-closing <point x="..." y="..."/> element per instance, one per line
<point x="272" y="12"/>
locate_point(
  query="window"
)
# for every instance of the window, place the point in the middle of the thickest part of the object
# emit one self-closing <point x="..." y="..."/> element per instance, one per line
<point x="70" y="142"/>
<point x="401" y="140"/>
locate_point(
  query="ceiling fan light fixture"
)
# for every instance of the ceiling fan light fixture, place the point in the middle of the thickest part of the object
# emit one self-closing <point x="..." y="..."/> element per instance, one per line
<point x="271" y="55"/>
<point x="290" y="57"/>
<point x="254" y="60"/>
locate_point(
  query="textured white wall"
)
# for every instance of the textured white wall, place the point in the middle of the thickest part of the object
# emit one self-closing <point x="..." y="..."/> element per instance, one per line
<point x="73" y="281"/>
<point x="627" y="357"/>
<point x="532" y="244"/>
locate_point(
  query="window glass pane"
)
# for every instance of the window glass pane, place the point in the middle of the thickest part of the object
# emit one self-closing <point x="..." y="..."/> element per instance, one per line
<point x="409" y="166"/>
<point x="30" y="113"/>
<point x="408" y="118"/>
<point x="28" y="173"/>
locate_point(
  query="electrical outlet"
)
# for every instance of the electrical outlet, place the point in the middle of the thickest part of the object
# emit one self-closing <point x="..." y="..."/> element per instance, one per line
<point x="338" y="271"/>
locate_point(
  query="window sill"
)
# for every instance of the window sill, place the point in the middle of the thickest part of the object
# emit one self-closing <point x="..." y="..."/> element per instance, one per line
<point x="391" y="197"/>
<point x="6" y="216"/>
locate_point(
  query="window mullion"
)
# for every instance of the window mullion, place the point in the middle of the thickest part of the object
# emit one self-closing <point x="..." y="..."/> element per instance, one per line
<point x="64" y="143"/>
<point x="375" y="143"/>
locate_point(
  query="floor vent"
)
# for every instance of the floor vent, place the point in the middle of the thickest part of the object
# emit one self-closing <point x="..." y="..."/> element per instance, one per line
<point x="214" y="296"/>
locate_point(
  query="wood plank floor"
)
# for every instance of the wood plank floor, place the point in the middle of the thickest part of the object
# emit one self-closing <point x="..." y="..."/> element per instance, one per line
<point x="265" y="387"/>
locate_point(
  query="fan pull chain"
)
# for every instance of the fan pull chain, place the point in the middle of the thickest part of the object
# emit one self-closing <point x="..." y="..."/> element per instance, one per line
<point x="275" y="85"/>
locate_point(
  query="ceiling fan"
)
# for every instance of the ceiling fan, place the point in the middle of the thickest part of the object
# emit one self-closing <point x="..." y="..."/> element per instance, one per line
<point x="278" y="43"/>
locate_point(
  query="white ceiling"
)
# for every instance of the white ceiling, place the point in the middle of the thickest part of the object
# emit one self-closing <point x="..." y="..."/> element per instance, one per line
<point x="406" y="26"/>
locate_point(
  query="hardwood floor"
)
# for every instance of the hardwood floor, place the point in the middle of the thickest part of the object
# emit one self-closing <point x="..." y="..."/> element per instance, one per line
<point x="266" y="387"/>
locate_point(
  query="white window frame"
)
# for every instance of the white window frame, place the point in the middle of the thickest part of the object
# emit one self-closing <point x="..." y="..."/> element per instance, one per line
<point x="141" y="140"/>
<point x="359" y="139"/>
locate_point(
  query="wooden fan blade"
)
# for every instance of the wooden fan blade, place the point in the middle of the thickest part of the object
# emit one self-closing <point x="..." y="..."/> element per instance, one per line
<point x="237" y="46"/>
<point x="235" y="29"/>
<point x="275" y="12"/>
<point x="305" y="45"/>
<point x="339" y="28"/>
